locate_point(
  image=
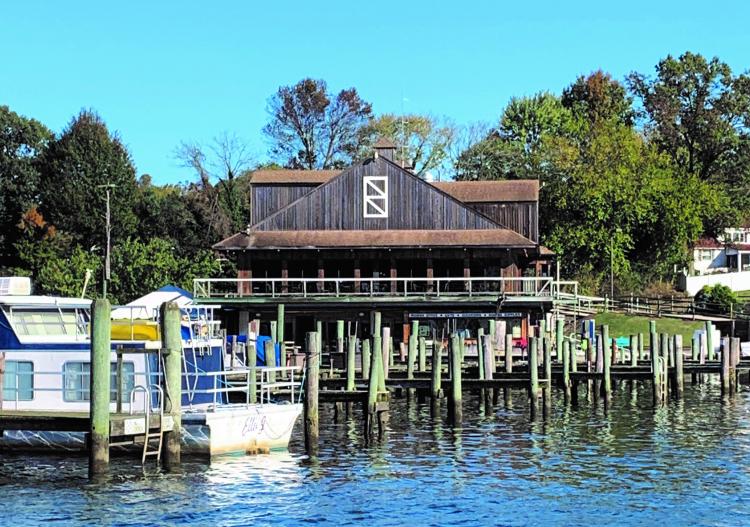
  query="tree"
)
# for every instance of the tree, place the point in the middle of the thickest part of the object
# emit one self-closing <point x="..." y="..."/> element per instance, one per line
<point x="598" y="98"/>
<point x="222" y="192"/>
<point x="512" y="150"/>
<point x="139" y="267"/>
<point x="76" y="165"/>
<point x="696" y="111"/>
<point x="22" y="143"/>
<point x="311" y="128"/>
<point x="423" y="141"/>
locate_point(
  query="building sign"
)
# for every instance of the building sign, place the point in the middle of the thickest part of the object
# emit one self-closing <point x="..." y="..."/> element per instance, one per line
<point x="375" y="199"/>
<point x="429" y="316"/>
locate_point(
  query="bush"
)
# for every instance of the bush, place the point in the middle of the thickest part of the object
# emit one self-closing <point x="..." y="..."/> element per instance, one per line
<point x="716" y="298"/>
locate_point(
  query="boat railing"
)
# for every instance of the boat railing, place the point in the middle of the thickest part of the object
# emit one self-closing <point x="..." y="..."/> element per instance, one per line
<point x="240" y="380"/>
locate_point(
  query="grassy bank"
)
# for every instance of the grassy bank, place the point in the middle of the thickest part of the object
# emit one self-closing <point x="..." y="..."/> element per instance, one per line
<point x="624" y="325"/>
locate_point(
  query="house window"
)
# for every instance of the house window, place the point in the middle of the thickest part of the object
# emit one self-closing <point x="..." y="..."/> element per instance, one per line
<point x="706" y="256"/>
<point x="18" y="381"/>
<point x="375" y="198"/>
<point x="49" y="322"/>
<point x="77" y="380"/>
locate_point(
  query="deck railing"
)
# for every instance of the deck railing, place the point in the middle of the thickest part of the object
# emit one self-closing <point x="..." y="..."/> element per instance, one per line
<point x="422" y="287"/>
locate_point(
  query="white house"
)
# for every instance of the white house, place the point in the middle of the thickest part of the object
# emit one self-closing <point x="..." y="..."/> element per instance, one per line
<point x="722" y="260"/>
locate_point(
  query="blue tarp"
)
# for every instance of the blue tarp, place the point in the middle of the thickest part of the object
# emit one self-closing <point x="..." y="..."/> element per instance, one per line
<point x="260" y="347"/>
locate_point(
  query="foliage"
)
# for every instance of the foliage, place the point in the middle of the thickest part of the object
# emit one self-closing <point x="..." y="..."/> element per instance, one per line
<point x="423" y="141"/>
<point x="75" y="167"/>
<point x="311" y="128"/>
<point x="22" y="141"/>
<point x="139" y="267"/>
<point x="696" y="111"/>
<point x="715" y="298"/>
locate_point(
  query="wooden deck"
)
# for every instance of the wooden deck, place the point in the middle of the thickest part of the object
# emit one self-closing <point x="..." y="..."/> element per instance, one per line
<point x="50" y="421"/>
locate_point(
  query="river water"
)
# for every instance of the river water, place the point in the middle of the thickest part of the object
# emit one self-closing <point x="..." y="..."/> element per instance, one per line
<point x="685" y="464"/>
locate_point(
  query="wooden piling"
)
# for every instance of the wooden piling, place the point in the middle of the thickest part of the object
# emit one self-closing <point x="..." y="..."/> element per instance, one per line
<point x="641" y="350"/>
<point x="480" y="352"/>
<point x="411" y="356"/>
<point x="351" y="363"/>
<point x="566" y="370"/>
<point x="269" y="353"/>
<point x="633" y="350"/>
<point x="340" y="338"/>
<point x="725" y="365"/>
<point x="319" y="333"/>
<point x="437" y="366"/>
<point x="99" y="385"/>
<point x="508" y="353"/>
<point x="422" y="354"/>
<point x="280" y="334"/>
<point x="734" y="361"/>
<point x="365" y="359"/>
<point x="533" y="374"/>
<point x="710" y="341"/>
<point x="559" y="333"/>
<point x="456" y="404"/>
<point x="171" y="335"/>
<point x="386" y="351"/>
<point x="679" y="374"/>
<point x="607" y="362"/>
<point x="312" y="375"/>
<point x="655" y="377"/>
<point x="251" y="359"/>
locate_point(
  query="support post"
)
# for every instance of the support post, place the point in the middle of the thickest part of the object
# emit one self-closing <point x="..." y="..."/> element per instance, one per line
<point x="725" y="365"/>
<point x="351" y="362"/>
<point x="99" y="387"/>
<point x="251" y="356"/>
<point x="480" y="352"/>
<point x="269" y="353"/>
<point x="280" y="333"/>
<point x="437" y="366"/>
<point x="456" y="404"/>
<point x="171" y="335"/>
<point x="734" y="361"/>
<point x="533" y="374"/>
<point x="312" y="376"/>
<point x="422" y="354"/>
<point x="607" y="362"/>
<point x="678" y="367"/>
<point x="633" y="350"/>
<point x="386" y="351"/>
<point x="559" y="332"/>
<point x="710" y="341"/>
<point x="365" y="359"/>
<point x="566" y="370"/>
<point x="508" y="353"/>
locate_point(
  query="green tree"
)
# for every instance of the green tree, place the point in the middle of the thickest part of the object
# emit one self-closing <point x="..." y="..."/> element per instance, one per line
<point x="139" y="267"/>
<point x="75" y="166"/>
<point x="696" y="111"/>
<point x="311" y="128"/>
<point x="22" y="143"/>
<point x="423" y="141"/>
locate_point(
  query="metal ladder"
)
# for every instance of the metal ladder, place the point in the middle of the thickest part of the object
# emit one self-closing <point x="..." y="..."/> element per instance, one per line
<point x="148" y="436"/>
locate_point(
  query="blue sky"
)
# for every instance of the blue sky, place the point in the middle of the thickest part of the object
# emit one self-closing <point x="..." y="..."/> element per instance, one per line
<point x="163" y="72"/>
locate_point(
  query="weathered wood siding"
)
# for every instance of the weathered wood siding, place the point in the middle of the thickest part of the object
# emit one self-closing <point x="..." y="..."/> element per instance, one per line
<point x="412" y="204"/>
<point x="268" y="198"/>
<point x="518" y="216"/>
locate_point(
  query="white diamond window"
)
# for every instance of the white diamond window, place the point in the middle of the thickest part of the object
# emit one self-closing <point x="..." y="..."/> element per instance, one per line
<point x="375" y="196"/>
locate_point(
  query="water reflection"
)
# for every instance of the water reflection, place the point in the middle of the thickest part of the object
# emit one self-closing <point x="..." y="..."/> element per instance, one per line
<point x="686" y="462"/>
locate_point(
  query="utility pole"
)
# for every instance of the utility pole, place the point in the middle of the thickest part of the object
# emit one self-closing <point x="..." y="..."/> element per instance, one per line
<point x="107" y="249"/>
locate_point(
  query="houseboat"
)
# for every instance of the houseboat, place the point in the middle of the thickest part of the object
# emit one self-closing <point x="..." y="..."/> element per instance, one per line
<point x="46" y="344"/>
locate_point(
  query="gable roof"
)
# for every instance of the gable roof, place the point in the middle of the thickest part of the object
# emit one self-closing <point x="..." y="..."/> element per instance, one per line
<point x="337" y="204"/>
<point x="297" y="177"/>
<point x="491" y="191"/>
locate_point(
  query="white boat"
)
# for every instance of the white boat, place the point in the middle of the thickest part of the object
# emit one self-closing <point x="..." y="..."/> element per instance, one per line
<point x="46" y="345"/>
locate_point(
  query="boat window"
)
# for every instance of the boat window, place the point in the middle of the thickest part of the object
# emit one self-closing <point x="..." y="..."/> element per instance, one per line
<point x="49" y="322"/>
<point x="77" y="379"/>
<point x="18" y="381"/>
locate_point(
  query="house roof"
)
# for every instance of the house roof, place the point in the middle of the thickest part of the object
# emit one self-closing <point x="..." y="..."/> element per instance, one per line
<point x="491" y="191"/>
<point x="375" y="239"/>
<point x="384" y="142"/>
<point x="708" y="243"/>
<point x="299" y="177"/>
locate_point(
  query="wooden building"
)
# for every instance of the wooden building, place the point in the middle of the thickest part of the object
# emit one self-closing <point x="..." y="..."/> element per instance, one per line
<point x="375" y="236"/>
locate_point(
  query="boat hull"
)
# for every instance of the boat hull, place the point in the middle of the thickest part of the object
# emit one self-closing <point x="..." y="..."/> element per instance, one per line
<point x="227" y="430"/>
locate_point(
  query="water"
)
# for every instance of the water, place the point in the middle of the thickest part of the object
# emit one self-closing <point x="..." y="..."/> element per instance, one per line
<point x="685" y="464"/>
